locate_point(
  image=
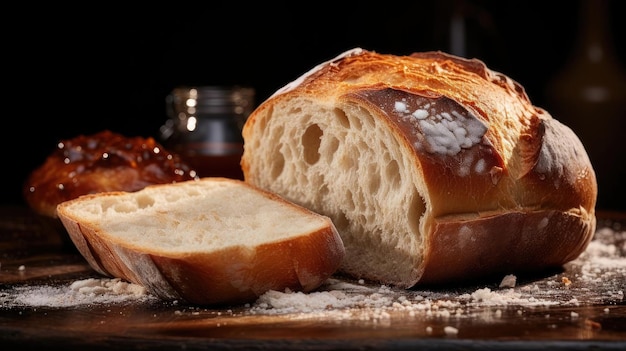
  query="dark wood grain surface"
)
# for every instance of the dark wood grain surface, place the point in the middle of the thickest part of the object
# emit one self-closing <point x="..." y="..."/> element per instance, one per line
<point x="34" y="252"/>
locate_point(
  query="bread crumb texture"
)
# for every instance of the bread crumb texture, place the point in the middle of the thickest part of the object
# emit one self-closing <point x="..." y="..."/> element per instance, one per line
<point x="194" y="216"/>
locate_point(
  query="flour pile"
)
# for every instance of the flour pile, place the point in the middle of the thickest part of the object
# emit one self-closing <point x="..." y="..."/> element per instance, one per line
<point x="82" y="292"/>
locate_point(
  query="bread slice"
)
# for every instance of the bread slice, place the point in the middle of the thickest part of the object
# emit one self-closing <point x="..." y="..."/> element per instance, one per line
<point x="434" y="168"/>
<point x="207" y="241"/>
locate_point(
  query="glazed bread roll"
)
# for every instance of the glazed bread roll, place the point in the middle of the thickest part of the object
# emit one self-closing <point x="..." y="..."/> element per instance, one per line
<point x="434" y="168"/>
<point x="104" y="161"/>
<point x="209" y="241"/>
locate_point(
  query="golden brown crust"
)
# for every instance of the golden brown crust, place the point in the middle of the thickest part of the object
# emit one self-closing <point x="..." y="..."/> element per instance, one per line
<point x="503" y="243"/>
<point x="104" y="161"/>
<point x="229" y="276"/>
<point x="232" y="275"/>
<point x="515" y="180"/>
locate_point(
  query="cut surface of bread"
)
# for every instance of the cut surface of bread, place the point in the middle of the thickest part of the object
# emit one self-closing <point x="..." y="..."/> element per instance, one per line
<point x="433" y="168"/>
<point x="207" y="241"/>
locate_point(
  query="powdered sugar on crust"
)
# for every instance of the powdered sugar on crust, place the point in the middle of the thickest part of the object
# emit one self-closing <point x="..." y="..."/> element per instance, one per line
<point x="445" y="133"/>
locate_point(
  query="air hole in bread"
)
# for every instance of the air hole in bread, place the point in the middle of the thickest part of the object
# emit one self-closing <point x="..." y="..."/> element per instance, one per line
<point x="294" y="110"/>
<point x="331" y="145"/>
<point x="143" y="201"/>
<point x="356" y="123"/>
<point x="278" y="162"/>
<point x="392" y="174"/>
<point x="311" y="140"/>
<point x="373" y="179"/>
<point x="347" y="160"/>
<point x="276" y="134"/>
<point x="362" y="203"/>
<point x="122" y="208"/>
<point x="349" y="201"/>
<point x="175" y="196"/>
<point x="342" y="118"/>
<point x="323" y="190"/>
<point x="366" y="119"/>
<point x="341" y="221"/>
<point x="416" y="211"/>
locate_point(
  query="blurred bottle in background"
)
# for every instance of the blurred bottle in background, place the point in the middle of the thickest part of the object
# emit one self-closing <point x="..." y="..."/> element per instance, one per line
<point x="589" y="96"/>
<point x="204" y="127"/>
<point x="471" y="31"/>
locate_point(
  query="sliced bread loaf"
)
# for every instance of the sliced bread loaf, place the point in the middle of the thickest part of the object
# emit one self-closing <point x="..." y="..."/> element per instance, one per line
<point x="207" y="241"/>
<point x="434" y="168"/>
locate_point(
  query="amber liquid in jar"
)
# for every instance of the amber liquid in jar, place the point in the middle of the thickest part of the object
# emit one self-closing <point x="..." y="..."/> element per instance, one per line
<point x="204" y="127"/>
<point x="212" y="164"/>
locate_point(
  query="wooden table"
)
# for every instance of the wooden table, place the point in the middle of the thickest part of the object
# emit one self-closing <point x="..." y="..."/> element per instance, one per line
<point x="35" y="253"/>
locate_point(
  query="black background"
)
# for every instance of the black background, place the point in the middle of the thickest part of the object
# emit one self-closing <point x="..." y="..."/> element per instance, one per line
<point x="85" y="68"/>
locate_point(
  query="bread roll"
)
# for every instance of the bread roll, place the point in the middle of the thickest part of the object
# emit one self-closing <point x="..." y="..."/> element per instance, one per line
<point x="434" y="168"/>
<point x="104" y="161"/>
<point x="209" y="241"/>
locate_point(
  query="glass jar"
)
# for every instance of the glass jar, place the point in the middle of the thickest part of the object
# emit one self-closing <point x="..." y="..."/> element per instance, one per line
<point x="204" y="127"/>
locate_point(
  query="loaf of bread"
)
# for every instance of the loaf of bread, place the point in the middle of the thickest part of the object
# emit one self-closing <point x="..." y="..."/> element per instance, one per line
<point x="104" y="161"/>
<point x="434" y="168"/>
<point x="209" y="241"/>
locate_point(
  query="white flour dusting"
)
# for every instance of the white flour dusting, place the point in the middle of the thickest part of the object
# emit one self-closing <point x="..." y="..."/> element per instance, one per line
<point x="597" y="276"/>
<point x="81" y="292"/>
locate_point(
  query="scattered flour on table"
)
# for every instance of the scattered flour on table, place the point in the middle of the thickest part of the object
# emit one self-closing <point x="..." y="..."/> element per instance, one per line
<point x="602" y="265"/>
<point x="81" y="292"/>
<point x="346" y="298"/>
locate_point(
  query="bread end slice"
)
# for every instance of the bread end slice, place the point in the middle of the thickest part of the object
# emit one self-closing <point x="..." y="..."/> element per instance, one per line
<point x="208" y="241"/>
